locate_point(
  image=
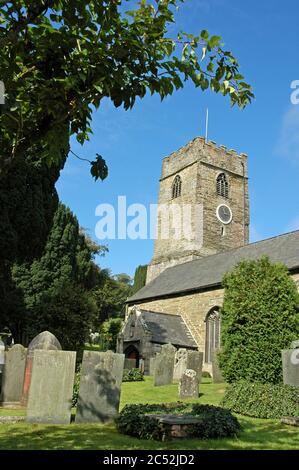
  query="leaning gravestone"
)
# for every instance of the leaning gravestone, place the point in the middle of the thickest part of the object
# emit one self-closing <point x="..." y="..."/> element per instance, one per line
<point x="45" y="341"/>
<point x="189" y="385"/>
<point x="13" y="375"/>
<point x="164" y="365"/>
<point x="290" y="365"/>
<point x="216" y="372"/>
<point x="51" y="388"/>
<point x="100" y="386"/>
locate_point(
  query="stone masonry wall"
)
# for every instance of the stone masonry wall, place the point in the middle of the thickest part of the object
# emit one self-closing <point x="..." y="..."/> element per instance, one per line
<point x="198" y="165"/>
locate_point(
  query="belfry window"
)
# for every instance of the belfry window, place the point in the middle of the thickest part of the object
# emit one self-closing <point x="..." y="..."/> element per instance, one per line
<point x="222" y="185"/>
<point x="176" y="187"/>
<point x="212" y="334"/>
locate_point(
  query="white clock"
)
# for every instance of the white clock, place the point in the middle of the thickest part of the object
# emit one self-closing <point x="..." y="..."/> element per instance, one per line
<point x="224" y="214"/>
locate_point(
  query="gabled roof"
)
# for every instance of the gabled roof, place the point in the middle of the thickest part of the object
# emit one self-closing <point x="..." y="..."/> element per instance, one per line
<point x="166" y="328"/>
<point x="208" y="271"/>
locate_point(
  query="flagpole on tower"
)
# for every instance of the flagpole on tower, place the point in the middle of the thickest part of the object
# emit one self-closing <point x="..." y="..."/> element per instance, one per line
<point x="207" y="125"/>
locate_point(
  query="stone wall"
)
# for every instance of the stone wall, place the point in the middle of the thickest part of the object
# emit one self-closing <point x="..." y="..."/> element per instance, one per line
<point x="199" y="165"/>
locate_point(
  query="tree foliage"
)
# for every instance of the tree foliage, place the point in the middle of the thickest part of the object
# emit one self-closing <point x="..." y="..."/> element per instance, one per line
<point x="259" y="319"/>
<point x="60" y="58"/>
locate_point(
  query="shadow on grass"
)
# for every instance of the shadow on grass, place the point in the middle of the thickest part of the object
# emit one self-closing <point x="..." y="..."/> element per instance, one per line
<point x="257" y="434"/>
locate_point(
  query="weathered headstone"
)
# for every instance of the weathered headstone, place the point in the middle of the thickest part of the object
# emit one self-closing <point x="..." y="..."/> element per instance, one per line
<point x="100" y="387"/>
<point x="130" y="363"/>
<point x="290" y="365"/>
<point x="187" y="359"/>
<point x="51" y="388"/>
<point x="180" y="363"/>
<point x="216" y="372"/>
<point x="13" y="375"/>
<point x="164" y="365"/>
<point x="189" y="385"/>
<point x="45" y="341"/>
<point x="195" y="361"/>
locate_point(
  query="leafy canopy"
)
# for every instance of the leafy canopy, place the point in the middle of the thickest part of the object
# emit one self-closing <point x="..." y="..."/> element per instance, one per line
<point x="259" y="318"/>
<point x="60" y="58"/>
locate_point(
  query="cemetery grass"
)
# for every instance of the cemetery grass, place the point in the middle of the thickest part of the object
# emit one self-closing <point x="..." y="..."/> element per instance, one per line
<point x="256" y="434"/>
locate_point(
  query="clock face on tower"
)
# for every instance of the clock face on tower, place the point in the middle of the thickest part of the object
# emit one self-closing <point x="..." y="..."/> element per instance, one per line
<point x="224" y="214"/>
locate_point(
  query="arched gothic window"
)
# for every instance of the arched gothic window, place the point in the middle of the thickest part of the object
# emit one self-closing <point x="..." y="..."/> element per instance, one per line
<point x="212" y="333"/>
<point x="222" y="185"/>
<point x="176" y="187"/>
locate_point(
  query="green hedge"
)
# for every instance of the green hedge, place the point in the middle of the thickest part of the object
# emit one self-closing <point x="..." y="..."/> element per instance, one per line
<point x="262" y="400"/>
<point x="259" y="318"/>
<point x="133" y="375"/>
<point x="214" y="422"/>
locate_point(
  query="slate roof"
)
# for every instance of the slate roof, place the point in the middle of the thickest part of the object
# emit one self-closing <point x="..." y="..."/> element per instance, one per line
<point x="208" y="272"/>
<point x="167" y="328"/>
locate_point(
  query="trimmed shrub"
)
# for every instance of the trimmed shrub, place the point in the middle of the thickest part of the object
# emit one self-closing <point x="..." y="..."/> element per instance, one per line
<point x="206" y="374"/>
<point x="133" y="375"/>
<point x="259" y="318"/>
<point x="214" y="422"/>
<point x="262" y="400"/>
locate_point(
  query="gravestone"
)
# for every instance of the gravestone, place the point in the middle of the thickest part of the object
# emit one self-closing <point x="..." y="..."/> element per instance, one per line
<point x="216" y="372"/>
<point x="164" y="365"/>
<point x="130" y="363"/>
<point x="189" y="385"/>
<point x="100" y="386"/>
<point x="151" y="366"/>
<point x="45" y="341"/>
<point x="13" y="375"/>
<point x="187" y="359"/>
<point x="2" y="360"/>
<point x="290" y="365"/>
<point x="51" y="388"/>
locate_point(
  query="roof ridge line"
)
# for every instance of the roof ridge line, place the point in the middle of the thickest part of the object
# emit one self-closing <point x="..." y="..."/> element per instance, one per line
<point x="231" y="250"/>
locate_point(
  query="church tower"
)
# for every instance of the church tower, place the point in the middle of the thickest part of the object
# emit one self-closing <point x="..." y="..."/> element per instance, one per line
<point x="203" y="205"/>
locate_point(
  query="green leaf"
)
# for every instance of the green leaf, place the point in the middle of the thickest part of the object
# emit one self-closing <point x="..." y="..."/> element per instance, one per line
<point x="99" y="168"/>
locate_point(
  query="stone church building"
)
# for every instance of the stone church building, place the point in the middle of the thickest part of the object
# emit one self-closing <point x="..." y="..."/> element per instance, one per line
<point x="182" y="298"/>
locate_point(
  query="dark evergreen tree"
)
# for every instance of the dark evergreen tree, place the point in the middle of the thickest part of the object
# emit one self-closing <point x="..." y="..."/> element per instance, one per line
<point x="56" y="287"/>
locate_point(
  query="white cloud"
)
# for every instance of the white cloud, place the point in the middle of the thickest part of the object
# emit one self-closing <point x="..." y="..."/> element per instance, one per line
<point x="288" y="144"/>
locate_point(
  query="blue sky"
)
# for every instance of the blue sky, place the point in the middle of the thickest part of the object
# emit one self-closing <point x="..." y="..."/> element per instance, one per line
<point x="263" y="35"/>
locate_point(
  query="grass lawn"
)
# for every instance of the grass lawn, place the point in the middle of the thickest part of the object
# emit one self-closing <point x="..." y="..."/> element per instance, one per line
<point x="257" y="433"/>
